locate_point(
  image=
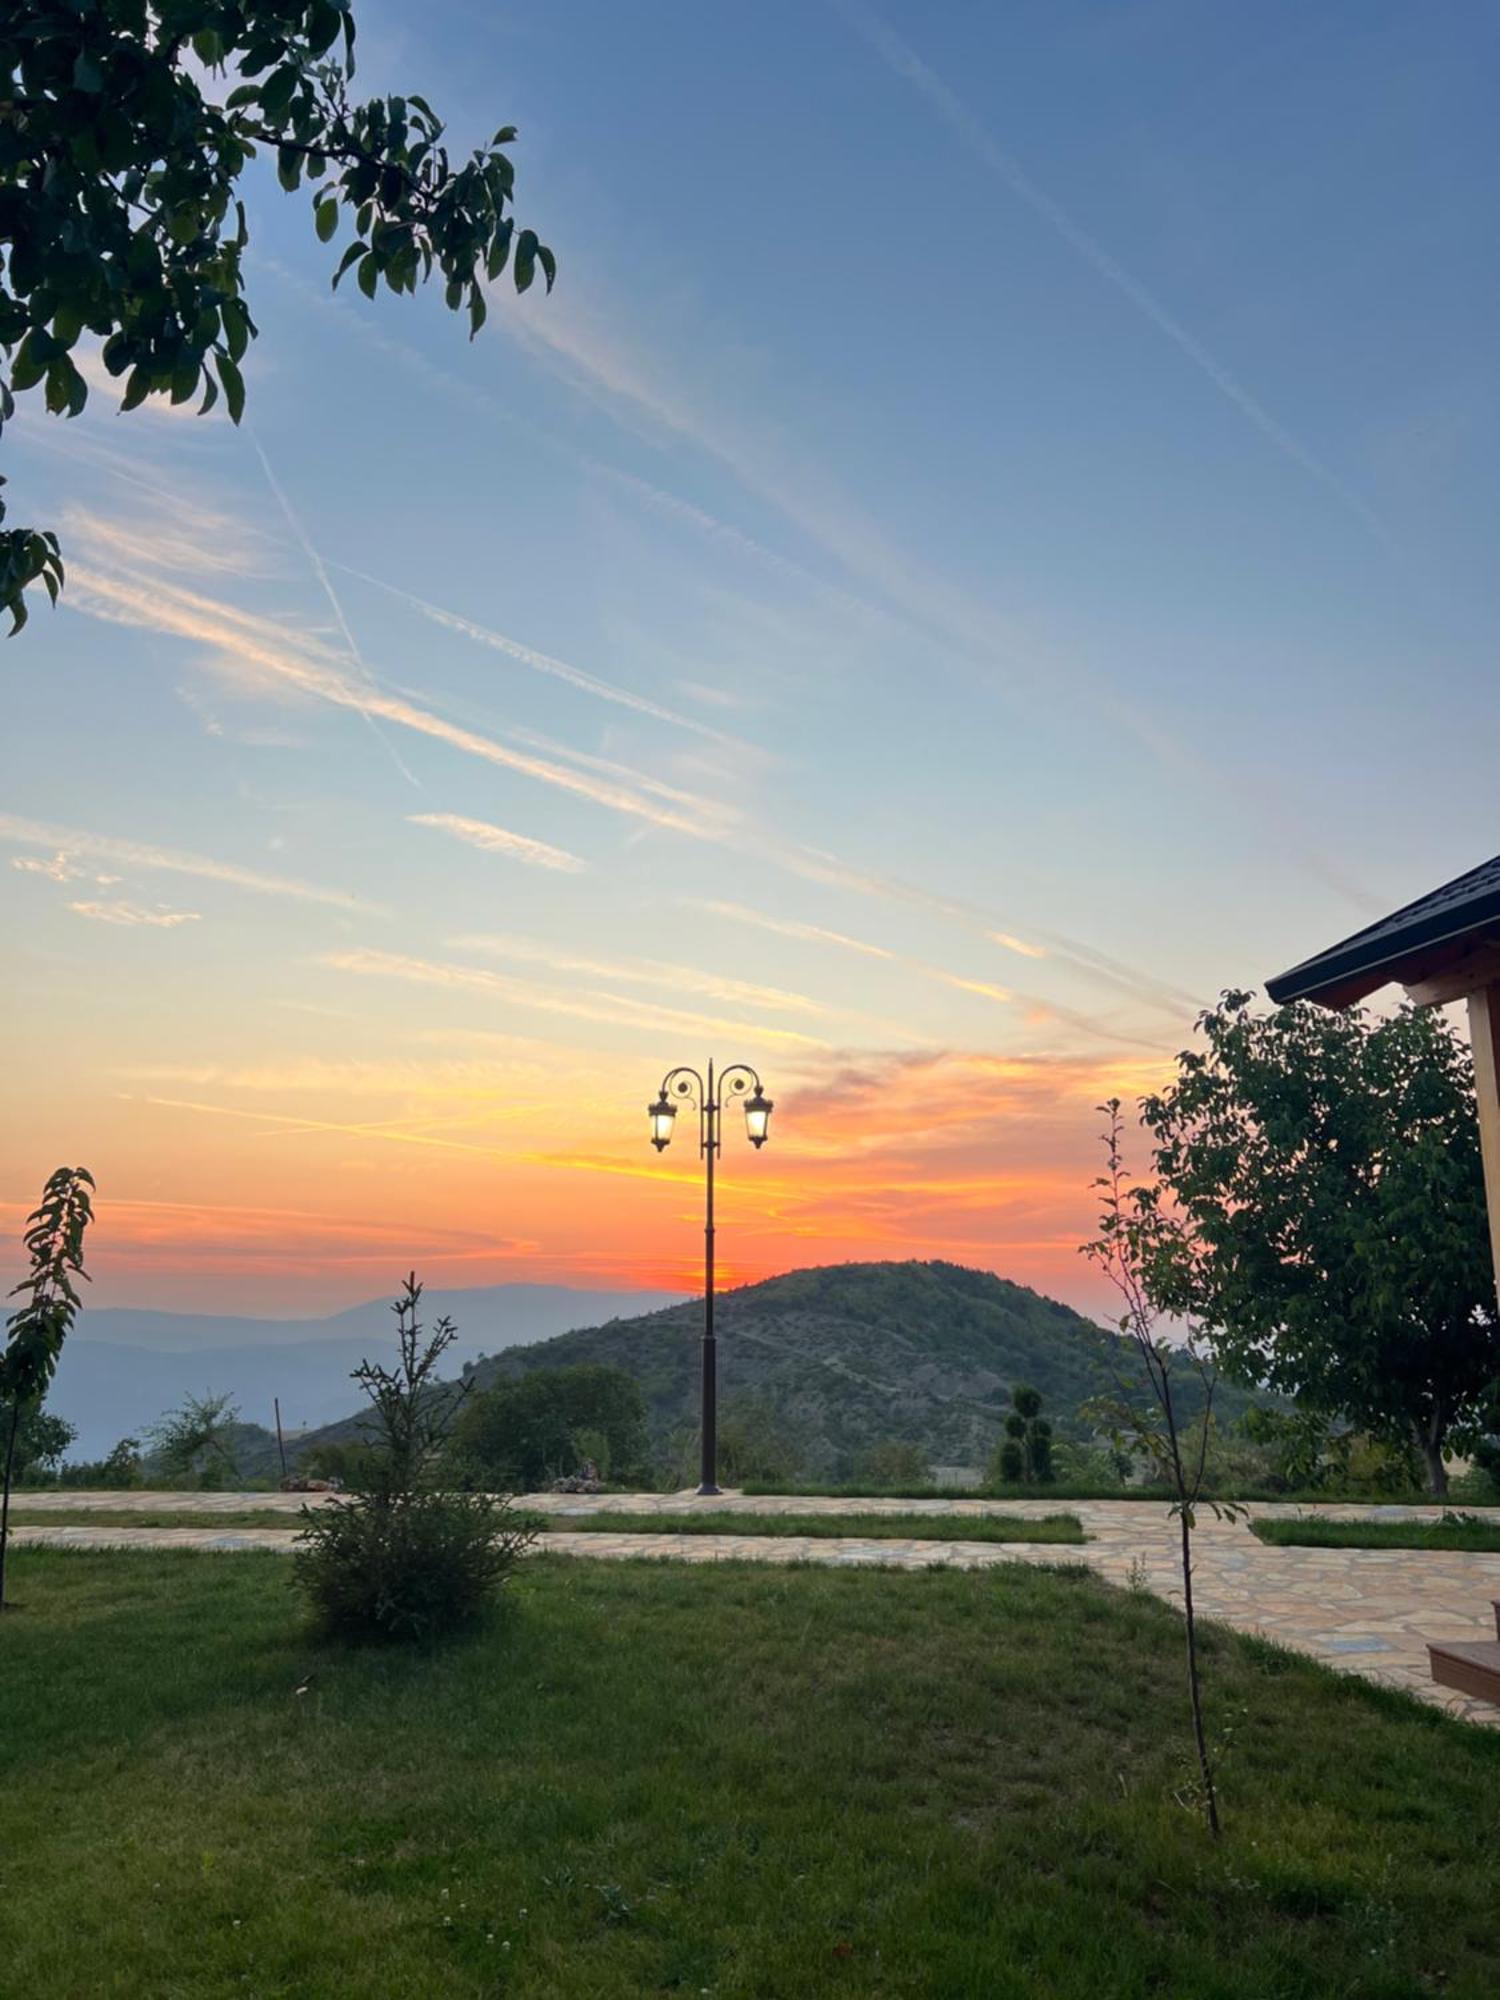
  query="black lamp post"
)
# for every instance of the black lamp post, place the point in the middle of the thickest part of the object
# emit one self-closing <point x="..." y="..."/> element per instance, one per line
<point x="739" y="1082"/>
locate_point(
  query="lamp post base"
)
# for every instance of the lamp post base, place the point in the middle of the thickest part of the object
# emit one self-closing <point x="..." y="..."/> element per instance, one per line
<point x="707" y="1492"/>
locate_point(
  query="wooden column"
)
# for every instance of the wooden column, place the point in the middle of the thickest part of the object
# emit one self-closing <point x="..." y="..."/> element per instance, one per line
<point x="1484" y="1034"/>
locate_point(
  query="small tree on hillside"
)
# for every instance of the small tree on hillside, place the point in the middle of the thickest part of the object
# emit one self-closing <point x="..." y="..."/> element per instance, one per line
<point x="36" y="1330"/>
<point x="1328" y="1166"/>
<point x="195" y="1442"/>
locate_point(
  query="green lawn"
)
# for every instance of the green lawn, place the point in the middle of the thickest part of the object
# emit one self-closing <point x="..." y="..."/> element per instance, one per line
<point x="1455" y="1533"/>
<point x="765" y="1784"/>
<point x="859" y="1527"/>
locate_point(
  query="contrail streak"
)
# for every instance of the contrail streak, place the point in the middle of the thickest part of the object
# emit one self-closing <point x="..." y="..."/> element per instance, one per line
<point x="909" y="66"/>
<point x="321" y="573"/>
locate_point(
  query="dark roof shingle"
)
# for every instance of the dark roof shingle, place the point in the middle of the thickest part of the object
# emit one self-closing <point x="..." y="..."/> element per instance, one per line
<point x="1462" y="908"/>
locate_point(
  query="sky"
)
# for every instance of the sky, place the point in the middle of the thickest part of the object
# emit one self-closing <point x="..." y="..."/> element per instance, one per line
<point x="989" y="543"/>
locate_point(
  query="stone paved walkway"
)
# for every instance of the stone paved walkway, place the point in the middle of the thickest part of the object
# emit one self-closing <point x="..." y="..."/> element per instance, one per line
<point x="1367" y="1611"/>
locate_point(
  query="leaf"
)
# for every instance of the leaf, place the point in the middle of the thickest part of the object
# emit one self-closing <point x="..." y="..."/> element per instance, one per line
<point x="524" y="268"/>
<point x="355" y="251"/>
<point x="326" y="218"/>
<point x="234" y="386"/>
<point x="548" y="263"/>
<point x="138" y="388"/>
<point x="276" y="91"/>
<point x="368" y="274"/>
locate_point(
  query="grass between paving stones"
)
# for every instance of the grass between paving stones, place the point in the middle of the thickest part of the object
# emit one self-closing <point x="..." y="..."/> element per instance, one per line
<point x="1061" y="1528"/>
<point x="1456" y="1531"/>
<point x="760" y="1785"/>
<point x="836" y="1527"/>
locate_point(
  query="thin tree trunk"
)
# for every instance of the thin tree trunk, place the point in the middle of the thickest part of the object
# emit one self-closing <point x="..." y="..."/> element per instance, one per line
<point x="1210" y="1796"/>
<point x="10" y="1466"/>
<point x="1437" y="1472"/>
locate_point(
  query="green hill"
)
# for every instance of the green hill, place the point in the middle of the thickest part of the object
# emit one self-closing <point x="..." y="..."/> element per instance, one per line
<point x="848" y="1354"/>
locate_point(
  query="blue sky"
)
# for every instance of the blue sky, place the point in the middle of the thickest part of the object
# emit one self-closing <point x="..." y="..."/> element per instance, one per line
<point x="1020" y="472"/>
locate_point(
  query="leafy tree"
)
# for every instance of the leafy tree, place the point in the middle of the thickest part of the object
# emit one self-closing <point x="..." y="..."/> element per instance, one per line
<point x="1328" y="1166"/>
<point x="196" y="1440"/>
<point x="36" y="1330"/>
<point x="41" y="1442"/>
<point x="402" y="1558"/>
<point x="120" y="165"/>
<point x="522" y="1434"/>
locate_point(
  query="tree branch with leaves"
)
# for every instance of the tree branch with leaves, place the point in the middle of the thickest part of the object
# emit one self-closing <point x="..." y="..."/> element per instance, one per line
<point x="120" y="214"/>
<point x="36" y="1330"/>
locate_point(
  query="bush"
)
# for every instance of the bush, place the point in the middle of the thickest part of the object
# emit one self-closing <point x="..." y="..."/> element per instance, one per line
<point x="1024" y="1455"/>
<point x="893" y="1462"/>
<point x="121" y="1468"/>
<point x="523" y="1434"/>
<point x="381" y="1567"/>
<point x="401" y="1559"/>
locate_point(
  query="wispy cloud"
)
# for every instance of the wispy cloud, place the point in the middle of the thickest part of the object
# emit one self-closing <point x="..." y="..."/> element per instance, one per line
<point x="263" y="646"/>
<point x="135" y="854"/>
<point x="498" y="840"/>
<point x="177" y="534"/>
<point x="788" y="927"/>
<point x="616" y="1010"/>
<point x="136" y="915"/>
<point x="1017" y="945"/>
<point x="681" y="978"/>
<point x="544" y="663"/>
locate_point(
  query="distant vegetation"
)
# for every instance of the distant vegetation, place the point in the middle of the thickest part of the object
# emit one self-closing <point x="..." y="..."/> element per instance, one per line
<point x="822" y="1367"/>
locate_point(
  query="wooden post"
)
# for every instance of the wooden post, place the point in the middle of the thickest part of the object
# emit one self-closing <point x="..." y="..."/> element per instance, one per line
<point x="1484" y="1035"/>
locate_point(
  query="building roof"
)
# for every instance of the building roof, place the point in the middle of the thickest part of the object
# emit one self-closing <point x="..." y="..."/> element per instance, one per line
<point x="1413" y="943"/>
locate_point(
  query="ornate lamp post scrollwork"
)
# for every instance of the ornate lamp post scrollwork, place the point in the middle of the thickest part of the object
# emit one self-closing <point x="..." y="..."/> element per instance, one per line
<point x="708" y="1096"/>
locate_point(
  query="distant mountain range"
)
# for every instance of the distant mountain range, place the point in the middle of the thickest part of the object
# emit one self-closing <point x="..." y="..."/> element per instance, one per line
<point x="849" y="1354"/>
<point x="125" y="1366"/>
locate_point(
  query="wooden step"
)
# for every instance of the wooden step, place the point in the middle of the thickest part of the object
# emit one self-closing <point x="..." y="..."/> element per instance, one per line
<point x="1470" y="1665"/>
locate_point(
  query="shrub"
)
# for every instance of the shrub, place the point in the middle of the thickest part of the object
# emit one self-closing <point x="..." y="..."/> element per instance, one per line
<point x="401" y="1559"/>
<point x="893" y="1462"/>
<point x="1024" y="1455"/>
<point x="380" y="1566"/>
<point x="120" y="1468"/>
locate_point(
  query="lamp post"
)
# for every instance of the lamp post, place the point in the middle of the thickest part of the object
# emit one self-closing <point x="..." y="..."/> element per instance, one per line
<point x="738" y="1083"/>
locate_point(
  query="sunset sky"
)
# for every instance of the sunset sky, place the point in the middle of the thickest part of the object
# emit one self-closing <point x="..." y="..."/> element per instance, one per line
<point x="990" y="541"/>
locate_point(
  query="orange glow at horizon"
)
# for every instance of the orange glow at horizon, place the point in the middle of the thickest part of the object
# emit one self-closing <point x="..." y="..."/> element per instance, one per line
<point x="974" y="1158"/>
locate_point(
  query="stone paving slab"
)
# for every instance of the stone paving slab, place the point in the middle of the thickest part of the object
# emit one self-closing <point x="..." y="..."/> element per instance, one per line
<point x="1366" y="1611"/>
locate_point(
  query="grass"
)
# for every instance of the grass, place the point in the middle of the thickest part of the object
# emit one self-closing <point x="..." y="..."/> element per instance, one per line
<point x="1453" y="1531"/>
<point x="858" y="1527"/>
<point x="760" y="1785"/>
<point x="1475" y="1488"/>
